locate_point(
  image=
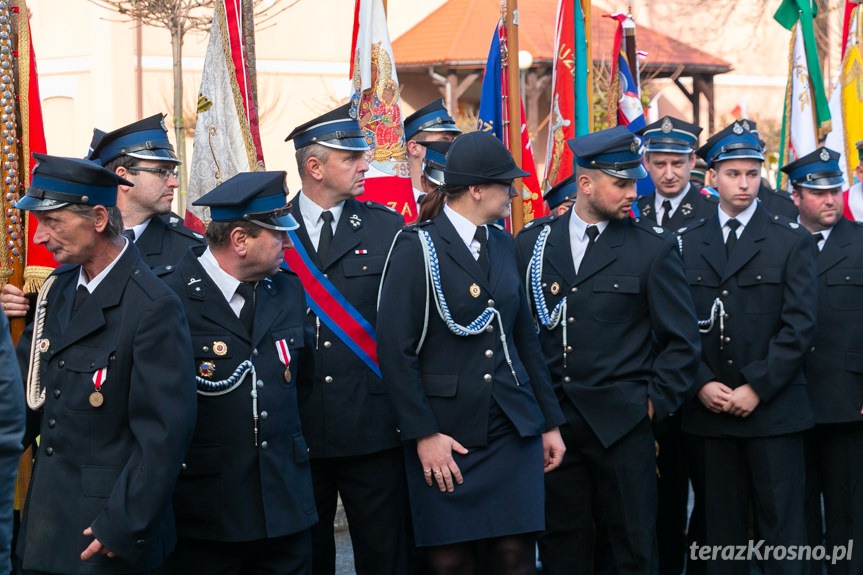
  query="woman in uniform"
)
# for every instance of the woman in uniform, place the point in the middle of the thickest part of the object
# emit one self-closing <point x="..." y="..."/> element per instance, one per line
<point x="463" y="367"/>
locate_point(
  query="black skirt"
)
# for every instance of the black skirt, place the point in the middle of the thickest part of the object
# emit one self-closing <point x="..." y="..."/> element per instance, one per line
<point x="503" y="493"/>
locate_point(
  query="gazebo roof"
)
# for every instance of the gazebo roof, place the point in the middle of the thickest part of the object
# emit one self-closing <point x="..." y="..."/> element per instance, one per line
<point x="458" y="34"/>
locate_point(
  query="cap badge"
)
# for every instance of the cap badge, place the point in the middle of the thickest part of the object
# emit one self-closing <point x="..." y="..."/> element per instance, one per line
<point x="355" y="221"/>
<point x="44" y="345"/>
<point x="162" y="122"/>
<point x="737" y="129"/>
<point x="825" y="155"/>
<point x="667" y="126"/>
<point x="686" y="209"/>
<point x="555" y="288"/>
<point x="220" y="348"/>
<point x="746" y="126"/>
<point x="635" y="145"/>
<point x="206" y="369"/>
<point x="474" y="290"/>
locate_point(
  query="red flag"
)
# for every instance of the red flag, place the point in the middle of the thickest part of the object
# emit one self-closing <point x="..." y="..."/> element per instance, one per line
<point x="39" y="261"/>
<point x="376" y="101"/>
<point x="562" y="121"/>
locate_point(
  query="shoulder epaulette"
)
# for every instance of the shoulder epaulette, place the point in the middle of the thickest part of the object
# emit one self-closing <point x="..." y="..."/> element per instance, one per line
<point x="163" y="270"/>
<point x="382" y="207"/>
<point x="696" y="224"/>
<point x="416" y="226"/>
<point x="784" y="222"/>
<point x="175" y="224"/>
<point x="498" y="226"/>
<point x="540" y="221"/>
<point x="649" y="225"/>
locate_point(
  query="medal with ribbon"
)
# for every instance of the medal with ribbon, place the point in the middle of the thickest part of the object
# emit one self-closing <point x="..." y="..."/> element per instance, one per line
<point x="284" y="357"/>
<point x="96" y="399"/>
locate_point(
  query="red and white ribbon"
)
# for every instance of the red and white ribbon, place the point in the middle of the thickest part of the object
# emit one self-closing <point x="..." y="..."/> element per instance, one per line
<point x="99" y="378"/>
<point x="284" y="352"/>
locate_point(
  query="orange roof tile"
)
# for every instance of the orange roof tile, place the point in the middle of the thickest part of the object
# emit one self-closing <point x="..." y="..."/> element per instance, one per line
<point x="459" y="32"/>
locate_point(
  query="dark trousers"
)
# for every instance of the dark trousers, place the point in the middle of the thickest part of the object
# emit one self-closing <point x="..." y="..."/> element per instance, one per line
<point x="614" y="487"/>
<point x="766" y="471"/>
<point x="673" y="495"/>
<point x="288" y="555"/>
<point x="835" y="472"/>
<point x="374" y="494"/>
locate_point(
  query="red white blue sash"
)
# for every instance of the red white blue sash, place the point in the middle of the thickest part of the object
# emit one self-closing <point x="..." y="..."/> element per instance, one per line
<point x="332" y="307"/>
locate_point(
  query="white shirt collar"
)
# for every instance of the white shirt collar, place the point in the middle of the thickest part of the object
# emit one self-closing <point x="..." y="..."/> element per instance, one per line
<point x="94" y="283"/>
<point x="578" y="227"/>
<point x="675" y="201"/>
<point x="824" y="233"/>
<point x="312" y="216"/>
<point x="743" y="217"/>
<point x="226" y="283"/>
<point x="139" y="229"/>
<point x="418" y="193"/>
<point x="465" y="229"/>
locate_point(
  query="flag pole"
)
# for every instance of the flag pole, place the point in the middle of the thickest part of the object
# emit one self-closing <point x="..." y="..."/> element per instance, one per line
<point x="514" y="106"/>
<point x="589" y="42"/>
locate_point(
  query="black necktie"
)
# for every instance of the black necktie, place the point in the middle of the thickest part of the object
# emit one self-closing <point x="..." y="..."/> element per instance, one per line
<point x="129" y="233"/>
<point x="731" y="240"/>
<point x="666" y="214"/>
<point x="247" y="313"/>
<point x="81" y="295"/>
<point x="817" y="239"/>
<point x="592" y="233"/>
<point x="326" y="238"/>
<point x="481" y="235"/>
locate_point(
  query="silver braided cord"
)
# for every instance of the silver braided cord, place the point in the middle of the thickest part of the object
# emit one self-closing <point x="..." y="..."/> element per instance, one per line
<point x="35" y="391"/>
<point x="475" y="327"/>
<point x="535" y="295"/>
<point x="717" y="311"/>
<point x="216" y="388"/>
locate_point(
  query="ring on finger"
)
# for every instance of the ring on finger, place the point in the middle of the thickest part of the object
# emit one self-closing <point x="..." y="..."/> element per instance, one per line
<point x="427" y="471"/>
<point x="437" y="472"/>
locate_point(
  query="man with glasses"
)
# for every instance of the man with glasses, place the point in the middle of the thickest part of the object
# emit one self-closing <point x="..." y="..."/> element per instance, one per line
<point x="142" y="154"/>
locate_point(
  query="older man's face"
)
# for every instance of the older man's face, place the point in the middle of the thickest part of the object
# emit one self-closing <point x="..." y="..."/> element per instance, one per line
<point x="72" y="238"/>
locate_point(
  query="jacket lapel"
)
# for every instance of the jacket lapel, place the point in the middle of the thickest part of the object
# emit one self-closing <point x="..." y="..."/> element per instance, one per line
<point x="604" y="251"/>
<point x="748" y="245"/>
<point x="836" y="247"/>
<point x="214" y="307"/>
<point x="303" y="235"/>
<point x="346" y="237"/>
<point x="645" y="207"/>
<point x="458" y="251"/>
<point x="268" y="307"/>
<point x="150" y="242"/>
<point x="558" y="250"/>
<point x="714" y="246"/>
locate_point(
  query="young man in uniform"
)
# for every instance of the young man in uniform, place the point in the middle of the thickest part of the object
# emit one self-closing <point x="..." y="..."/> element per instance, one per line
<point x="431" y="123"/>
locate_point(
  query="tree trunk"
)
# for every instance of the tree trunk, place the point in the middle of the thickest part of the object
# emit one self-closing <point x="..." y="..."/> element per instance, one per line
<point x="179" y="127"/>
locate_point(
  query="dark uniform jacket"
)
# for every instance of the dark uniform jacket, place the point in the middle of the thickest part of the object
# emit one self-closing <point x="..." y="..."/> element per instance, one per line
<point x="349" y="412"/>
<point x="630" y="291"/>
<point x="229" y="488"/>
<point x="768" y="290"/>
<point x="449" y="386"/>
<point x="692" y="208"/>
<point x="112" y="467"/>
<point x="776" y="202"/>
<point x="165" y="240"/>
<point x="12" y="420"/>
<point x="834" y="366"/>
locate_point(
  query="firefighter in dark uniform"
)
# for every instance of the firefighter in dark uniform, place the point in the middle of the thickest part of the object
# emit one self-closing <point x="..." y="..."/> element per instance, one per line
<point x="348" y="421"/>
<point x="776" y="202"/>
<point x="669" y="156"/>
<point x="142" y="154"/>
<point x="244" y="500"/>
<point x="109" y="381"/>
<point x="432" y="178"/>
<point x="752" y="277"/>
<point x="431" y="123"/>
<point x="561" y="196"/>
<point x="834" y="365"/>
<point x="462" y="362"/>
<point x="618" y="331"/>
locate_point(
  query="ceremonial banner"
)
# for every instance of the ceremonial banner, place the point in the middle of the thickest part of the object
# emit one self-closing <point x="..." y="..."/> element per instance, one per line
<point x="846" y="111"/>
<point x="376" y="101"/>
<point x="227" y="139"/>
<point x="493" y="118"/>
<point x="806" y="102"/>
<point x="627" y="110"/>
<point x="570" y="110"/>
